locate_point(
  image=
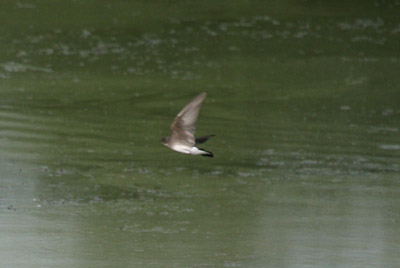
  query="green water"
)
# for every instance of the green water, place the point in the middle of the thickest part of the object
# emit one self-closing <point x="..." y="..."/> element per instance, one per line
<point x="304" y="99"/>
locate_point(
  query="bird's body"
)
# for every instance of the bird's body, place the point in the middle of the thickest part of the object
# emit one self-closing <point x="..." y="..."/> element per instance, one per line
<point x="183" y="128"/>
<point x="187" y="149"/>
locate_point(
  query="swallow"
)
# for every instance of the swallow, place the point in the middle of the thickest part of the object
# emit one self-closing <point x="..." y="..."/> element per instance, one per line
<point x="183" y="128"/>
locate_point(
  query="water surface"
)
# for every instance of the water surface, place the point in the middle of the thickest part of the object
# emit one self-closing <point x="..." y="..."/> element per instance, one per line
<point x="303" y="98"/>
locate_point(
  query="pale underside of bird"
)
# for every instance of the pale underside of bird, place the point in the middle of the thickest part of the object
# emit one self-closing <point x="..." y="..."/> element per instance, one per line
<point x="183" y="128"/>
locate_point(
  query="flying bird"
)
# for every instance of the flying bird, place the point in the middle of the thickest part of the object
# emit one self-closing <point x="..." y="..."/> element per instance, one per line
<point x="182" y="130"/>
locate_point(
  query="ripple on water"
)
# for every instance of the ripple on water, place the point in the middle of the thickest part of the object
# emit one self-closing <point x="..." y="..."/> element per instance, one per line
<point x="14" y="67"/>
<point x="326" y="164"/>
<point x="392" y="147"/>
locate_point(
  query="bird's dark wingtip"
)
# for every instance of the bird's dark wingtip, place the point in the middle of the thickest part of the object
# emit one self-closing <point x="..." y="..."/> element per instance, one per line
<point x="203" y="139"/>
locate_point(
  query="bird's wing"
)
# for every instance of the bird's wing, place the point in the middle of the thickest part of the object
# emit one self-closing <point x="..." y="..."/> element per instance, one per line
<point x="184" y="125"/>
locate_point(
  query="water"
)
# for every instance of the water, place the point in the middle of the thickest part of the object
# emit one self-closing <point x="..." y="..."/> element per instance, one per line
<point x="303" y="98"/>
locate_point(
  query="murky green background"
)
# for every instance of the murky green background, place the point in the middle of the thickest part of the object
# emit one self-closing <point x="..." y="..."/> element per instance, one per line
<point x="304" y="99"/>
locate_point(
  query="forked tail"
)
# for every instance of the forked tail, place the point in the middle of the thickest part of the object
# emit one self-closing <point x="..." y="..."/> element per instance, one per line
<point x="206" y="153"/>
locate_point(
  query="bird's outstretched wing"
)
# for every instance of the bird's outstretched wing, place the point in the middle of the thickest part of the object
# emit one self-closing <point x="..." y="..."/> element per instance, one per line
<point x="184" y="125"/>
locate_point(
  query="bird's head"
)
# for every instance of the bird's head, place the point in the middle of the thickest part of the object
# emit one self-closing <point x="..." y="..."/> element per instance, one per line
<point x="165" y="140"/>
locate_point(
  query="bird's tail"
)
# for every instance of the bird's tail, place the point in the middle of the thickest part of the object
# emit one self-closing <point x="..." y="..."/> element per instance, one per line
<point x="206" y="153"/>
<point x="203" y="139"/>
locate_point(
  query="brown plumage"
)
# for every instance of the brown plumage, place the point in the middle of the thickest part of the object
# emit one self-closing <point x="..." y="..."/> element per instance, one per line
<point x="183" y="128"/>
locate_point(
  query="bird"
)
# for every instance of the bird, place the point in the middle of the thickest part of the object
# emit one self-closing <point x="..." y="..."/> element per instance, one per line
<point x="183" y="128"/>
